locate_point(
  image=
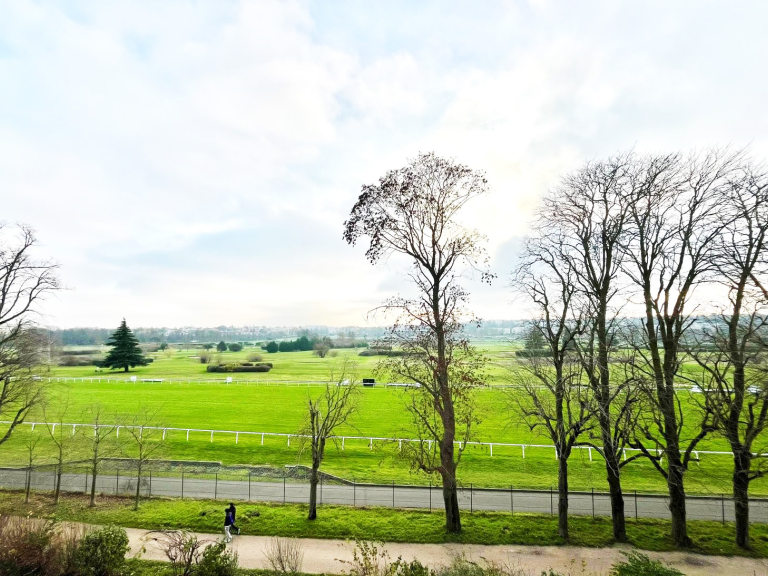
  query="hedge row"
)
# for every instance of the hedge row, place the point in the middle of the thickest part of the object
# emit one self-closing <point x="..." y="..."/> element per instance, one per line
<point x="258" y="367"/>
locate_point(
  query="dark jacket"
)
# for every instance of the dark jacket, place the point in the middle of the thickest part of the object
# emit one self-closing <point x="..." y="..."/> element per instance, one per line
<point x="228" y="518"/>
<point x="233" y="511"/>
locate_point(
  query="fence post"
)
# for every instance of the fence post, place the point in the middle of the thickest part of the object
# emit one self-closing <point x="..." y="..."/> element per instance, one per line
<point x="393" y="493"/>
<point x="430" y="495"/>
<point x="593" y="503"/>
<point x="321" y="490"/>
<point x="216" y="486"/>
<point x="635" y="505"/>
<point x="722" y="504"/>
<point x="283" y="487"/>
<point x="354" y="493"/>
<point x="117" y="481"/>
<point x="551" y="504"/>
<point x="150" y="483"/>
<point x="182" y="483"/>
<point x="512" y="499"/>
<point x="86" y="483"/>
<point x="249" y="485"/>
<point x="471" y="498"/>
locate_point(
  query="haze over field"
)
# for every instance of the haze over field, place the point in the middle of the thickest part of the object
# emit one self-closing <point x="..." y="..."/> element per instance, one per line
<point x="192" y="163"/>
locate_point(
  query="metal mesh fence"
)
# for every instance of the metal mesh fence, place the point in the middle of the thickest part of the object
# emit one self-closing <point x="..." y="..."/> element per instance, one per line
<point x="242" y="485"/>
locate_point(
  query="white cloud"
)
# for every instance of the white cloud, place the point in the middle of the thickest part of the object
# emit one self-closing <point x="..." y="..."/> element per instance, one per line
<point x="170" y="154"/>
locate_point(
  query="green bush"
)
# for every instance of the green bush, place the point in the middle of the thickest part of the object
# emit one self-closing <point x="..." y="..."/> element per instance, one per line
<point x="235" y="347"/>
<point x="217" y="561"/>
<point x="272" y="347"/>
<point x="640" y="565"/>
<point x="534" y="353"/>
<point x="261" y="367"/>
<point x="102" y="552"/>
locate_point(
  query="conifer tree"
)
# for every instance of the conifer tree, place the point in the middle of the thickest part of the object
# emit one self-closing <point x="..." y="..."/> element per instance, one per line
<point x="125" y="351"/>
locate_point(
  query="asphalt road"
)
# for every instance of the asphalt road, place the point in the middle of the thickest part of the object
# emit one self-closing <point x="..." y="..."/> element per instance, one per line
<point x="582" y="503"/>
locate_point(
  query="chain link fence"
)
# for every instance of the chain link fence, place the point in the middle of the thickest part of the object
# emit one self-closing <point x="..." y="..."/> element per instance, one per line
<point x="292" y="486"/>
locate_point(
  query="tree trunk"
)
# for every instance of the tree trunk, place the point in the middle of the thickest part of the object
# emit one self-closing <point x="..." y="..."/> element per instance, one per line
<point x="451" y="500"/>
<point x="617" y="498"/>
<point x="138" y="490"/>
<point x="562" y="496"/>
<point x="677" y="501"/>
<point x="741" y="465"/>
<point x="312" y="494"/>
<point x="125" y="368"/>
<point x="94" y="473"/>
<point x="58" y="485"/>
<point x="28" y="486"/>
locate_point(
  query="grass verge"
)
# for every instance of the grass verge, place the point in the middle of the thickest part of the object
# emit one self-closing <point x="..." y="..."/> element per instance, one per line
<point x="383" y="524"/>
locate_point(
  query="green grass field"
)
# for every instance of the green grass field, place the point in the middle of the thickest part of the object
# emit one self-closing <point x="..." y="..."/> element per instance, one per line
<point x="380" y="524"/>
<point x="381" y="413"/>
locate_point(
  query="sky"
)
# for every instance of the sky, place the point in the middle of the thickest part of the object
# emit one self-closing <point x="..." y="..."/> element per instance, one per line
<point x="192" y="163"/>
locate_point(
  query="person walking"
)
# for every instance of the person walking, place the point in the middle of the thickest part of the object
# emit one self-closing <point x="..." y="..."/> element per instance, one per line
<point x="227" y="525"/>
<point x="233" y="512"/>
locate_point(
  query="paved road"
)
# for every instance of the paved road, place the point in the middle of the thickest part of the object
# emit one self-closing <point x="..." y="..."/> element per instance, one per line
<point x="582" y="503"/>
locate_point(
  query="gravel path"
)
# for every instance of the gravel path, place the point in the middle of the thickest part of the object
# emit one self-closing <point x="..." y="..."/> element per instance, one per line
<point x="324" y="556"/>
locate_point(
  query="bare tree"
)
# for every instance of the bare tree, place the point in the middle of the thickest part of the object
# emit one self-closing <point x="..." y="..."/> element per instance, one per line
<point x="555" y="397"/>
<point x="412" y="212"/>
<point x="674" y="228"/>
<point x="146" y="439"/>
<point x="326" y="414"/>
<point x="63" y="437"/>
<point x="321" y="349"/>
<point x="183" y="549"/>
<point x="100" y="443"/>
<point x="731" y="352"/>
<point x="24" y="283"/>
<point x="585" y="218"/>
<point x="31" y="447"/>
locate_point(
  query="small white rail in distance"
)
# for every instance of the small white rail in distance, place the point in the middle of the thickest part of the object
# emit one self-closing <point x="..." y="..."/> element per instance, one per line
<point x="369" y="439"/>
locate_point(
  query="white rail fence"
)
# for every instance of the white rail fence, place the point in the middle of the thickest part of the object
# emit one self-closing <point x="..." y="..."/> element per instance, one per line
<point x="369" y="439"/>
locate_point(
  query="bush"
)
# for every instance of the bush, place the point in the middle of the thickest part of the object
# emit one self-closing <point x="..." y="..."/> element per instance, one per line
<point x="534" y="353"/>
<point x="272" y="347"/>
<point x="285" y="555"/>
<point x="29" y="546"/>
<point x="262" y="367"/>
<point x="217" y="561"/>
<point x="102" y="552"/>
<point x="221" y="346"/>
<point x="205" y="357"/>
<point x="78" y="361"/>
<point x="253" y="357"/>
<point x="88" y="352"/>
<point x="235" y="347"/>
<point x="641" y="565"/>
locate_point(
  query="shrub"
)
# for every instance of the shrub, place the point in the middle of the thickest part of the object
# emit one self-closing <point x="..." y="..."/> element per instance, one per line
<point x="182" y="548"/>
<point x="262" y="367"/>
<point x="102" y="552"/>
<point x="217" y="561"/>
<point x="221" y="346"/>
<point x="78" y="361"/>
<point x="640" y="565"/>
<point x="29" y="546"/>
<point x="272" y="347"/>
<point x="205" y="357"/>
<point x="253" y="357"/>
<point x="534" y="353"/>
<point x="235" y="347"/>
<point x="285" y="555"/>
<point x="286" y="346"/>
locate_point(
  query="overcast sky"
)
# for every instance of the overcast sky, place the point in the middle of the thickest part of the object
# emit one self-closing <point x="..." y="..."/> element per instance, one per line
<point x="192" y="163"/>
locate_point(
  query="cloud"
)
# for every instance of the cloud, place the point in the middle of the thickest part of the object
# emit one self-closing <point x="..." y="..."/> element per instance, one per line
<point x="192" y="163"/>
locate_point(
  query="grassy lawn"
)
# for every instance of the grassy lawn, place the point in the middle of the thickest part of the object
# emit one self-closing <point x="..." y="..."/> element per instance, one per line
<point x="381" y="413"/>
<point x="341" y="522"/>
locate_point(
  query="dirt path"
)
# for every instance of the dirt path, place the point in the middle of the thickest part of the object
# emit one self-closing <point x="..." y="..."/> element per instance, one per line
<point x="325" y="555"/>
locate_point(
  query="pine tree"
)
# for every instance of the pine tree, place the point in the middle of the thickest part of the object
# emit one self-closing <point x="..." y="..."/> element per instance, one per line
<point x="125" y="351"/>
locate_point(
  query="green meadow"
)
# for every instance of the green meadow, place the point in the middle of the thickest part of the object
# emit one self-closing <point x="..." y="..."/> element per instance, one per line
<point x="250" y="405"/>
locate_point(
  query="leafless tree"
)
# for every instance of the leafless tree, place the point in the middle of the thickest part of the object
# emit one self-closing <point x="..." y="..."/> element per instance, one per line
<point x="33" y="440"/>
<point x="321" y="349"/>
<point x="24" y="284"/>
<point x="674" y="228"/>
<point x="146" y="439"/>
<point x="413" y="213"/>
<point x="555" y="397"/>
<point x="99" y="437"/>
<point x="731" y="350"/>
<point x="63" y="437"/>
<point x="586" y="216"/>
<point x="325" y="415"/>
